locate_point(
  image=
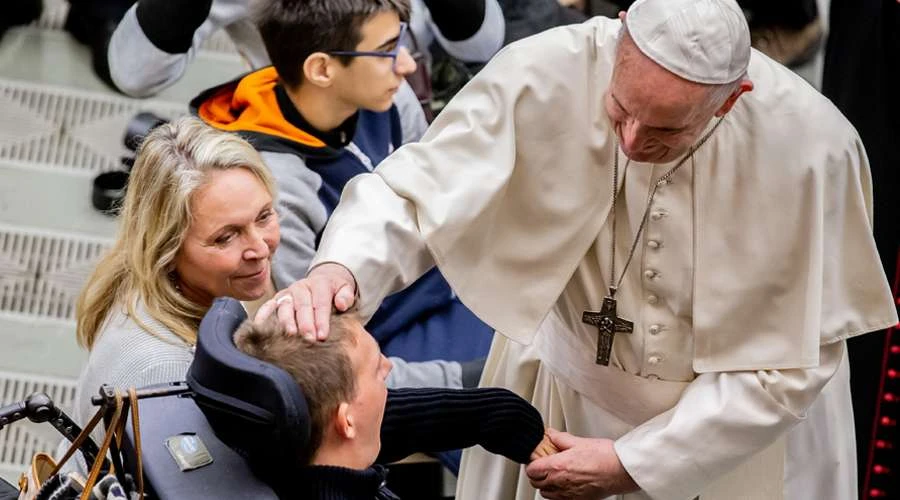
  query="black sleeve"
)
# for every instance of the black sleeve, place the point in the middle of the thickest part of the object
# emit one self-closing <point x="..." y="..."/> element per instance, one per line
<point x="430" y="420"/>
<point x="457" y="19"/>
<point x="170" y="24"/>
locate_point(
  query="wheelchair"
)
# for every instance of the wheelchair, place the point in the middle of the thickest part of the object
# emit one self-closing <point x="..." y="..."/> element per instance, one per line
<point x="247" y="418"/>
<point x="243" y="410"/>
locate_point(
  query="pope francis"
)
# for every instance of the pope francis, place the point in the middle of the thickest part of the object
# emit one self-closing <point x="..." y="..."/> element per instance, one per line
<point x="670" y="234"/>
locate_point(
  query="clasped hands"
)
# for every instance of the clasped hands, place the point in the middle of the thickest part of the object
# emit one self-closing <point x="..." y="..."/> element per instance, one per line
<point x="563" y="466"/>
<point x="580" y="469"/>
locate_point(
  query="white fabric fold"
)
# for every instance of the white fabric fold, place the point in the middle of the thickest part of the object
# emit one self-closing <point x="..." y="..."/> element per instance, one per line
<point x="508" y="190"/>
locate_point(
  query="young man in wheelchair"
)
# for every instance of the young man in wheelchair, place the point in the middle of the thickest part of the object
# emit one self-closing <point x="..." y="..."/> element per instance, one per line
<point x="343" y="381"/>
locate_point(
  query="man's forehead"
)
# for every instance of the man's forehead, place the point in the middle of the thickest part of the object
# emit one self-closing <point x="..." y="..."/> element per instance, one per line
<point x="358" y="339"/>
<point x="351" y="326"/>
<point x="379" y="29"/>
<point x="362" y="349"/>
<point x="656" y="96"/>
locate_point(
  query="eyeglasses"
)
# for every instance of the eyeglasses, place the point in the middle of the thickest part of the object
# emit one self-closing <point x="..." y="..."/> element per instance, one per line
<point x="404" y="40"/>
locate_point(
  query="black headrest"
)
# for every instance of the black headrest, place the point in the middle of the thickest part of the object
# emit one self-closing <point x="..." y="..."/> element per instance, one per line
<point x="254" y="407"/>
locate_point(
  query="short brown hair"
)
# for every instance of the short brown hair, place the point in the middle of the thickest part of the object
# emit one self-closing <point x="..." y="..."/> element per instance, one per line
<point x="322" y="369"/>
<point x="293" y="30"/>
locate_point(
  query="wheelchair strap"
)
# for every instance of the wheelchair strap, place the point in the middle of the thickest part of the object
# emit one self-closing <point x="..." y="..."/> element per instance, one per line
<point x="107" y="441"/>
<point x="79" y="440"/>
<point x="136" y="430"/>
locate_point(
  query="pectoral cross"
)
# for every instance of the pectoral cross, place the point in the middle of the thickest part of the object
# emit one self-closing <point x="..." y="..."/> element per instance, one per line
<point x="608" y="325"/>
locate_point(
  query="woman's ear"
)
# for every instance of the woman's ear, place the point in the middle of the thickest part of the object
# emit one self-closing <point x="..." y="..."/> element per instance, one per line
<point x="318" y="69"/>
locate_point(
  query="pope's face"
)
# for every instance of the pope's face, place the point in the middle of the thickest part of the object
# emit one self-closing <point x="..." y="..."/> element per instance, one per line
<point x="657" y="115"/>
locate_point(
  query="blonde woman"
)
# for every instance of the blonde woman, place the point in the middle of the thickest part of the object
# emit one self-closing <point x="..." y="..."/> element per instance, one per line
<point x="197" y="223"/>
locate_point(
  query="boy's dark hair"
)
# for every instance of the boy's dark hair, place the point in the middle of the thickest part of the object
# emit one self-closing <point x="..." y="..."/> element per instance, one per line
<point x="292" y="30"/>
<point x="322" y="369"/>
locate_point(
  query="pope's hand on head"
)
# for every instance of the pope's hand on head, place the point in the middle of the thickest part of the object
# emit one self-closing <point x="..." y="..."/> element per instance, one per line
<point x="305" y="306"/>
<point x="583" y="469"/>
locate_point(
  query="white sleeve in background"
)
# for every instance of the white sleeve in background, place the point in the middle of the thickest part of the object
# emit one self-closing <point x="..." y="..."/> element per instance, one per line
<point x="721" y="420"/>
<point x="140" y="69"/>
<point x="434" y="373"/>
<point x="478" y="48"/>
<point x="412" y="118"/>
<point x="136" y="66"/>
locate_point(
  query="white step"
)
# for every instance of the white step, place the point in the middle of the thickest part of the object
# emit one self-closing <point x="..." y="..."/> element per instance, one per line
<point x="30" y="197"/>
<point x="37" y="348"/>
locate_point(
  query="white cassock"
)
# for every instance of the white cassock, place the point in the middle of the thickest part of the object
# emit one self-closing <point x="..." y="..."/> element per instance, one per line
<point x="756" y="264"/>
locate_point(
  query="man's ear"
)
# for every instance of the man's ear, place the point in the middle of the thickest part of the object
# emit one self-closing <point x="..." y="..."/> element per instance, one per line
<point x="745" y="86"/>
<point x="343" y="422"/>
<point x="318" y="69"/>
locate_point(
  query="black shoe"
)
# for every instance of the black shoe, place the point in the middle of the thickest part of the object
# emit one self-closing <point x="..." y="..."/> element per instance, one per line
<point x="93" y="23"/>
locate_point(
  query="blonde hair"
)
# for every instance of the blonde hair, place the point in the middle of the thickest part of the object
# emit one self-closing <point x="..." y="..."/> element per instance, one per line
<point x="173" y="162"/>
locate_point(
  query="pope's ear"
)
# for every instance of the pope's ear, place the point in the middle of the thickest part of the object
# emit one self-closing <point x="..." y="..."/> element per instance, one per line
<point x="745" y="86"/>
<point x="318" y="69"/>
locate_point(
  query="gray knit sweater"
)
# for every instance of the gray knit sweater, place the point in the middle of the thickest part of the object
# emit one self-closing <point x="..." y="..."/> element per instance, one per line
<point x="125" y="355"/>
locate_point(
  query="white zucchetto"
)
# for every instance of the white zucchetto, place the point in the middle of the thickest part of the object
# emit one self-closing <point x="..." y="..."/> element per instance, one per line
<point x="704" y="41"/>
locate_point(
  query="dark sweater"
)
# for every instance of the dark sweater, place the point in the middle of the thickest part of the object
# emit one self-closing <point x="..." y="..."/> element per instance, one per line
<point x="327" y="482"/>
<point x="428" y="420"/>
